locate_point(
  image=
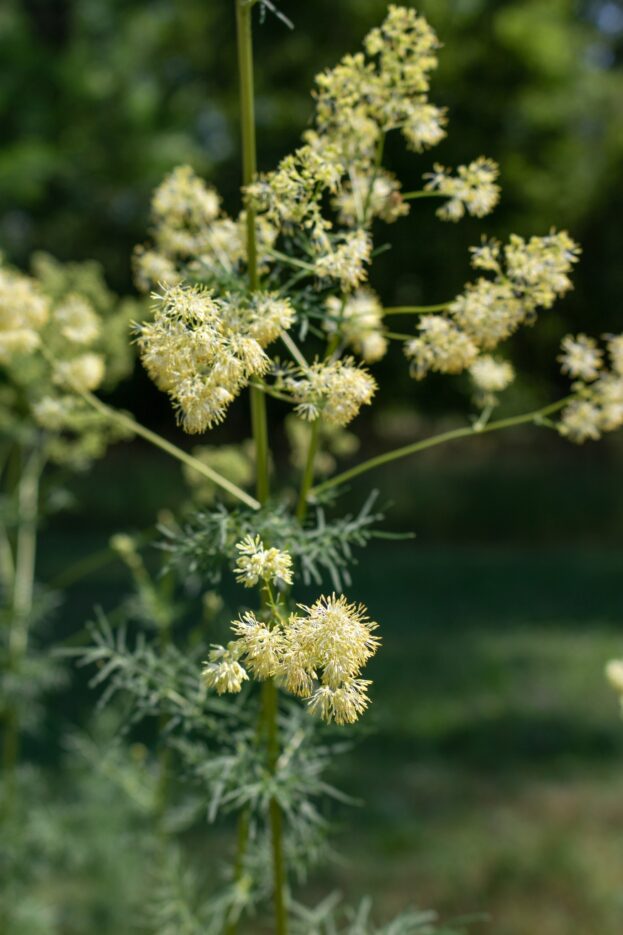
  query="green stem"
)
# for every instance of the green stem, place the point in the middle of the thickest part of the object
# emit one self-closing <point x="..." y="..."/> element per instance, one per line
<point x="380" y="146"/>
<point x="121" y="418"/>
<point x="407" y="450"/>
<point x="270" y="712"/>
<point x="22" y="603"/>
<point x="294" y="351"/>
<point x="411" y="196"/>
<point x="308" y="472"/>
<point x="290" y="260"/>
<point x="415" y="309"/>
<point x="249" y="171"/>
<point x="260" y="435"/>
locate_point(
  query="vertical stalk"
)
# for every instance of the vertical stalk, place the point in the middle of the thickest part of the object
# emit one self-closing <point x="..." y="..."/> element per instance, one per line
<point x="270" y="710"/>
<point x="260" y="436"/>
<point x="22" y="600"/>
<point x="308" y="472"/>
<point x="249" y="170"/>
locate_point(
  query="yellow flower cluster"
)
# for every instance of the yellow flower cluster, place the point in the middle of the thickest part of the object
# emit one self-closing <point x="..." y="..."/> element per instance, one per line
<point x="527" y="275"/>
<point x="473" y="189"/>
<point x="67" y="331"/>
<point x="289" y="197"/>
<point x="359" y="321"/>
<point x="363" y="98"/>
<point x="190" y="229"/>
<point x="598" y="407"/>
<point x="256" y="563"/>
<point x="362" y="196"/>
<point x="359" y="100"/>
<point x="490" y="376"/>
<point x="24" y="311"/>
<point x="317" y="653"/>
<point x="203" y="350"/>
<point x="347" y="262"/>
<point x="614" y="674"/>
<point x="333" y="389"/>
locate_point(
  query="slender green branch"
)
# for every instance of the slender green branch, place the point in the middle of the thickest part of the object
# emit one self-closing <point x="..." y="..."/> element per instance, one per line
<point x="380" y="147"/>
<point x="294" y="351"/>
<point x="434" y="440"/>
<point x="423" y="193"/>
<point x="25" y="553"/>
<point x="122" y="418"/>
<point x="308" y="472"/>
<point x="415" y="309"/>
<point x="290" y="260"/>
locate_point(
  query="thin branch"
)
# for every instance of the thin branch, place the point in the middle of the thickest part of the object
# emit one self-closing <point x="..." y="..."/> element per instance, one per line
<point x="535" y="417"/>
<point x="121" y="418"/>
<point x="415" y="309"/>
<point x="424" y="193"/>
<point x="294" y="350"/>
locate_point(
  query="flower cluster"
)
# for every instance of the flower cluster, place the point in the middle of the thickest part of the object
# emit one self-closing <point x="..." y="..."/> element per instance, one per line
<point x="614" y="675"/>
<point x="24" y="310"/>
<point x="527" y="275"/>
<point x="346" y="261"/>
<point x="361" y="99"/>
<point x="190" y="230"/>
<point x="358" y="319"/>
<point x="490" y="376"/>
<point x="203" y="350"/>
<point x="473" y="189"/>
<point x="256" y="563"/>
<point x="333" y="389"/>
<point x="62" y="333"/>
<point x="358" y="102"/>
<point x="598" y="404"/>
<point x="317" y="653"/>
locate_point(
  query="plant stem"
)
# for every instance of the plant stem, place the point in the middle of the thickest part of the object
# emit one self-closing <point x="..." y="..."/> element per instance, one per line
<point x="434" y="440"/>
<point x="22" y="602"/>
<point x="249" y="170"/>
<point x="294" y="351"/>
<point x="270" y="706"/>
<point x="121" y="418"/>
<point x="415" y="309"/>
<point x="260" y="435"/>
<point x="308" y="473"/>
<point x="411" y="196"/>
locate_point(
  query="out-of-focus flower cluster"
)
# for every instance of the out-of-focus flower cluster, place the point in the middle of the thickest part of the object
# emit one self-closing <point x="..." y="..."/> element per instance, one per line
<point x="317" y="653"/>
<point x="192" y="236"/>
<point x="334" y="390"/>
<point x="62" y="333"/>
<point x="527" y="275"/>
<point x="473" y="189"/>
<point x="598" y="406"/>
<point x="203" y="350"/>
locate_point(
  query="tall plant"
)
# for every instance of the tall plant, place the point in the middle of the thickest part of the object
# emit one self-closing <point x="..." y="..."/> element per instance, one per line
<point x="291" y="273"/>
